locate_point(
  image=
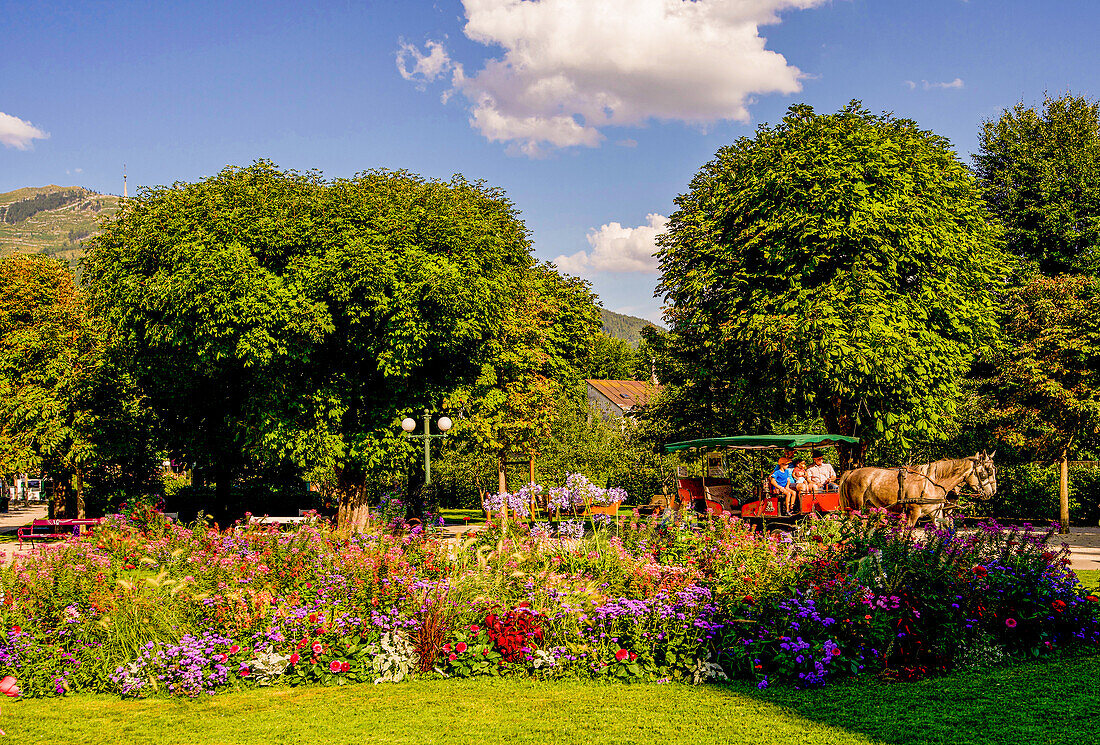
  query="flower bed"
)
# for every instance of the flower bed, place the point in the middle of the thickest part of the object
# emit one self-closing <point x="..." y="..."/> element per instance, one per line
<point x="148" y="608"/>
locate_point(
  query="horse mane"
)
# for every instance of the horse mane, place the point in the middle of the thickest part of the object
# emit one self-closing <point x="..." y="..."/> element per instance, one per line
<point x="938" y="469"/>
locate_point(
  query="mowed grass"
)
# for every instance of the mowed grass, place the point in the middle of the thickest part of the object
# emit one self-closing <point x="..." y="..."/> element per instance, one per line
<point x="1042" y="702"/>
<point x="1089" y="578"/>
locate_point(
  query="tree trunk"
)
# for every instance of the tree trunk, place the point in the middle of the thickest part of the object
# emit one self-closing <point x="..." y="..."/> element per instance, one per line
<point x="78" y="487"/>
<point x="353" y="512"/>
<point x="503" y="484"/>
<point x="1063" y="490"/>
<point x="57" y="504"/>
<point x="840" y="422"/>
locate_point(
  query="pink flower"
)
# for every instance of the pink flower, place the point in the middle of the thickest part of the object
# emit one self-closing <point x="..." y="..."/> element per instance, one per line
<point x="621" y="655"/>
<point x="452" y="657"/>
<point x="1010" y="623"/>
<point x="474" y="628"/>
<point x="447" y="647"/>
<point x="334" y="666"/>
<point x="234" y="649"/>
<point x="8" y="687"/>
<point x="317" y="648"/>
<point x="294" y="658"/>
<point x="460" y="647"/>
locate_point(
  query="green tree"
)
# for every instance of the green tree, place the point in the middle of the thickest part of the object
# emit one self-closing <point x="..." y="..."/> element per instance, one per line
<point x="612" y="359"/>
<point x="1040" y="173"/>
<point x="49" y="350"/>
<point x="534" y="367"/>
<point x="1046" y="384"/>
<point x="833" y="265"/>
<point x="274" y="318"/>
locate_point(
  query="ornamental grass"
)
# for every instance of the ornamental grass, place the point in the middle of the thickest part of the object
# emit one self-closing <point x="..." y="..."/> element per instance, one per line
<point x="152" y="607"/>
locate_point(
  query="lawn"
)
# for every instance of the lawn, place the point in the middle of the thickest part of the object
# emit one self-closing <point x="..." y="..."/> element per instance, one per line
<point x="1051" y="702"/>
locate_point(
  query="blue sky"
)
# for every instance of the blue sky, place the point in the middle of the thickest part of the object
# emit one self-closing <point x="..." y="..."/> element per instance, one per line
<point x="592" y="114"/>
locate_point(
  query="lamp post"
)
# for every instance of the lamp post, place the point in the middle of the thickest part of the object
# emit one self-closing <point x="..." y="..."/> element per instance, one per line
<point x="409" y="424"/>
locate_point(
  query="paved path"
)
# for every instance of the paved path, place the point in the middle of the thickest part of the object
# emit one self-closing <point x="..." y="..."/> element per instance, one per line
<point x="1084" y="546"/>
<point x="10" y="521"/>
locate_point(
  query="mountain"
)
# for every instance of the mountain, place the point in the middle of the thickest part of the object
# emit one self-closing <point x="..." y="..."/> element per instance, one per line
<point x="624" y="327"/>
<point x="52" y="220"/>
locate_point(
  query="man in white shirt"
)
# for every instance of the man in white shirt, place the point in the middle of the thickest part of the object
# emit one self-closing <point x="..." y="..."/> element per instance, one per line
<point x="822" y="475"/>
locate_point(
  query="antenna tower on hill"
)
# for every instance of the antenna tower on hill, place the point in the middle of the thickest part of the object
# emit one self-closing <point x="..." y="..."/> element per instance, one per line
<point x="125" y="193"/>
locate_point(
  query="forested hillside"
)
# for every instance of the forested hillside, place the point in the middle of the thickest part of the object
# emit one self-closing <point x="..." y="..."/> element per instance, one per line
<point x="51" y="220"/>
<point x="620" y="326"/>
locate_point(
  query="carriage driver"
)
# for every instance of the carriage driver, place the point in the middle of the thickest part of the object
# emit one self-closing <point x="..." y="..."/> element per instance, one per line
<point x="822" y="475"/>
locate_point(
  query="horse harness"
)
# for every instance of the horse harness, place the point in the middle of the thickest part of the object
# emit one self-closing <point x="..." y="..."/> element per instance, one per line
<point x="903" y="502"/>
<point x="981" y="472"/>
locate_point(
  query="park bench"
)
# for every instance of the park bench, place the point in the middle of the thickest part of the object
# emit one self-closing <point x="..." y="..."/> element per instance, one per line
<point x="58" y="528"/>
<point x="303" y="516"/>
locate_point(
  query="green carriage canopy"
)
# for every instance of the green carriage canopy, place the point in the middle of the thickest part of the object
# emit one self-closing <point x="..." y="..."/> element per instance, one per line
<point x="761" y="442"/>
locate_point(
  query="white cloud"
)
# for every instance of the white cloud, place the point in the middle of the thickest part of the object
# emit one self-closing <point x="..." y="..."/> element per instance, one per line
<point x="14" y="132"/>
<point x="956" y="84"/>
<point x="426" y="67"/>
<point x="571" y="68"/>
<point x="618" y="249"/>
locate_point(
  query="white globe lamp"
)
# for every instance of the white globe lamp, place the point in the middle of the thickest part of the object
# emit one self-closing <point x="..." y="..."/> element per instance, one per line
<point x="408" y="424"/>
<point x="444" y="423"/>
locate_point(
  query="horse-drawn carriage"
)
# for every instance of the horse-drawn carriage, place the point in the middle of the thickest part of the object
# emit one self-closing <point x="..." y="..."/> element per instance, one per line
<point x="714" y="492"/>
<point x="924" y="490"/>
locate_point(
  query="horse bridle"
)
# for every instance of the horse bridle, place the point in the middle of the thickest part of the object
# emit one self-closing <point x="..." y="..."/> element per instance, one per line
<point x="985" y="473"/>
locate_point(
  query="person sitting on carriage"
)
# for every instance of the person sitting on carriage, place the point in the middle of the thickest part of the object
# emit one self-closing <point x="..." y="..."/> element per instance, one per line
<point x="821" y="475"/>
<point x="782" y="484"/>
<point x="800" y="476"/>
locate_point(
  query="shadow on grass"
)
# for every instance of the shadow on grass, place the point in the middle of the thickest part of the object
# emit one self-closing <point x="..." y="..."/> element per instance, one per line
<point x="1055" y="701"/>
<point x="1051" y="702"/>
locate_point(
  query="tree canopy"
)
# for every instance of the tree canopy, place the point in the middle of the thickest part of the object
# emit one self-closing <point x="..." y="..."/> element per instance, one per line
<point x="836" y="265"/>
<point x="275" y="318"/>
<point x="1040" y="173"/>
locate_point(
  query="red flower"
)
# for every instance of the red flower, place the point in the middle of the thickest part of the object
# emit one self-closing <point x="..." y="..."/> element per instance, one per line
<point x="621" y="655"/>
<point x="460" y="647"/>
<point x="1090" y="598"/>
<point x="867" y="617"/>
<point x="234" y="649"/>
<point x="1010" y="623"/>
<point x="749" y="599"/>
<point x="981" y="571"/>
<point x="17" y="629"/>
<point x="1058" y="605"/>
<point x="524" y="604"/>
<point x="313" y="618"/>
<point x="452" y="657"/>
<point x="223" y="657"/>
<point x="317" y="648"/>
<point x="835" y="652"/>
<point x="474" y="628"/>
<point x="303" y="643"/>
<point x="447" y="647"/>
<point x="344" y="667"/>
<point x="245" y="672"/>
<point x="334" y="666"/>
<point x="633" y="656"/>
<point x="294" y="658"/>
